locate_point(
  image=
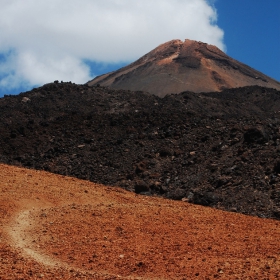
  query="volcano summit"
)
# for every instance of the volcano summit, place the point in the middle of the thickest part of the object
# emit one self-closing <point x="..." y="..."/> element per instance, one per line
<point x="177" y="66"/>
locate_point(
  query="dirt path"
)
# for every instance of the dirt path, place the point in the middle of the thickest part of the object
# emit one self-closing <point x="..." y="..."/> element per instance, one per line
<point x="55" y="227"/>
<point x="18" y="231"/>
<point x="21" y="238"/>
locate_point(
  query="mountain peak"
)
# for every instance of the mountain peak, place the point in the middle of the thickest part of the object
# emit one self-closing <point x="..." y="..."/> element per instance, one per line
<point x="177" y="66"/>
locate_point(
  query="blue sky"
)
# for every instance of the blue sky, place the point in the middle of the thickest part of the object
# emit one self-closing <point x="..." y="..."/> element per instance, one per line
<point x="252" y="33"/>
<point x="42" y="41"/>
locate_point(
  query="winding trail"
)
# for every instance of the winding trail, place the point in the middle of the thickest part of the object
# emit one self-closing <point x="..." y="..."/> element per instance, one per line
<point x="21" y="238"/>
<point x="18" y="231"/>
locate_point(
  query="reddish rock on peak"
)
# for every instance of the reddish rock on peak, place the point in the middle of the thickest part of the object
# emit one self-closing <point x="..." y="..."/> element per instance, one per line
<point x="178" y="66"/>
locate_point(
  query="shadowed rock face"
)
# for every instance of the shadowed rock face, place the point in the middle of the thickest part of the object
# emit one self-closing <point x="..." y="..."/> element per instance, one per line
<point x="178" y="66"/>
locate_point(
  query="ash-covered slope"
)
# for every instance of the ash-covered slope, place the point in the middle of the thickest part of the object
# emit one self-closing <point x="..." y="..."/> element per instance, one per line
<point x="216" y="149"/>
<point x="178" y="66"/>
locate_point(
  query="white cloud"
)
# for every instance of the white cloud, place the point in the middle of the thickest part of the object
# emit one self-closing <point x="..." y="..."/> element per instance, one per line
<point x="51" y="38"/>
<point x="26" y="69"/>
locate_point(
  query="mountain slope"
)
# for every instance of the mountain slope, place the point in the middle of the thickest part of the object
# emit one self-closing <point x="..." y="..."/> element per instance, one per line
<point x="56" y="227"/>
<point x="178" y="66"/>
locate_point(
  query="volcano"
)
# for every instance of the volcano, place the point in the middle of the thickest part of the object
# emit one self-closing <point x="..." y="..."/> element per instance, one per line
<point x="177" y="66"/>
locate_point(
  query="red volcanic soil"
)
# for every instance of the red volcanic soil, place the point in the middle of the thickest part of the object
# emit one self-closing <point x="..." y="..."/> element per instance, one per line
<point x="56" y="227"/>
<point x="178" y="66"/>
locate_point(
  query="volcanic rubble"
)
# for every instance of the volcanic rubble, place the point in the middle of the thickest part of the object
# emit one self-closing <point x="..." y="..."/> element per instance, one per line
<point x="217" y="149"/>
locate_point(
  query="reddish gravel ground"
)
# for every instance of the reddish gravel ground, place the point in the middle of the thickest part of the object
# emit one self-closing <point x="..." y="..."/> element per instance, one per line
<point x="55" y="227"/>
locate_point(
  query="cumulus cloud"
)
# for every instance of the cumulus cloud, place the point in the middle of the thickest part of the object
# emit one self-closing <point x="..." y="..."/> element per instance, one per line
<point x="49" y="40"/>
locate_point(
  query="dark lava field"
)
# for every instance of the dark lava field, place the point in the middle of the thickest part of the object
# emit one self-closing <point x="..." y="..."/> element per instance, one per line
<point x="219" y="149"/>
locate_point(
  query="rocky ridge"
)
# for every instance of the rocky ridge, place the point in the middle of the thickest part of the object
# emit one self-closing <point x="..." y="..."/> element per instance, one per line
<point x="215" y="149"/>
